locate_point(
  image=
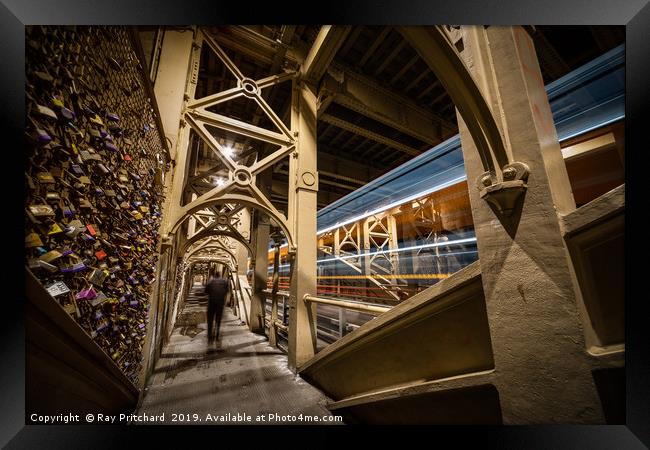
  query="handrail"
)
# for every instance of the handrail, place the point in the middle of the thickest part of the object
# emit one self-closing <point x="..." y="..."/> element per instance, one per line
<point x="279" y="293"/>
<point x="281" y="326"/>
<point x="356" y="306"/>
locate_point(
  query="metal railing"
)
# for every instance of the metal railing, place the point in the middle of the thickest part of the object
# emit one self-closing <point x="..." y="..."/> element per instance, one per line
<point x="276" y="322"/>
<point x="347" y="304"/>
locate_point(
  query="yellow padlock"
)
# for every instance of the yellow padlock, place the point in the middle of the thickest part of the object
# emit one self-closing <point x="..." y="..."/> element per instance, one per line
<point x="54" y="229"/>
<point x="97" y="120"/>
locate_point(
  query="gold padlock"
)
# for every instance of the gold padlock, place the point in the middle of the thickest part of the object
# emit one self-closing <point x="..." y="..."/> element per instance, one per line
<point x="50" y="256"/>
<point x="33" y="240"/>
<point x="45" y="177"/>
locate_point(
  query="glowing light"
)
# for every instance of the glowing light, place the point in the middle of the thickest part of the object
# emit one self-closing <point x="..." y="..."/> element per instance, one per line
<point x="220" y="181"/>
<point x="415" y="247"/>
<point x="593" y="127"/>
<point x="228" y="151"/>
<point x="394" y="204"/>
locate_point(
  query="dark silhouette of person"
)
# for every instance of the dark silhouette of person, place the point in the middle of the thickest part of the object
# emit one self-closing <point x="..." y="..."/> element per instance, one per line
<point x="217" y="289"/>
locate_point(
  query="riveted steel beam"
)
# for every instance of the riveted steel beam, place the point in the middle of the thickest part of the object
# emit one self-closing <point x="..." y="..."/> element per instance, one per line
<point x="345" y="125"/>
<point x="329" y="40"/>
<point x="367" y="97"/>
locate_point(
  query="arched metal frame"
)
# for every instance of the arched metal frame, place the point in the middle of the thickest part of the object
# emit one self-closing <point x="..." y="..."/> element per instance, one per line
<point x="501" y="184"/>
<point x="242" y="200"/>
<point x="206" y="234"/>
<point x="223" y="219"/>
<point x="441" y="56"/>
<point x="213" y="245"/>
<point x="240" y="177"/>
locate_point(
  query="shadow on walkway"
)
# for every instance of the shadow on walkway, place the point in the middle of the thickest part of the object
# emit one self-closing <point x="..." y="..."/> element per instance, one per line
<point x="240" y="373"/>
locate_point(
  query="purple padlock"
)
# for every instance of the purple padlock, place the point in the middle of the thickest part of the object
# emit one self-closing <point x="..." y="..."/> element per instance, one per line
<point x="67" y="114"/>
<point x="78" y="267"/>
<point x="42" y="136"/>
<point x="86" y="294"/>
<point x="110" y="146"/>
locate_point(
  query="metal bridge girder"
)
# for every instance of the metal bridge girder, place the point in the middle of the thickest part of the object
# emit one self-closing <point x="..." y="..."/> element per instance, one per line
<point x="240" y="177"/>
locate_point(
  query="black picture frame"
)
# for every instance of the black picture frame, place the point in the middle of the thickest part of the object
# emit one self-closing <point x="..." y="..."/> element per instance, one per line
<point x="15" y="14"/>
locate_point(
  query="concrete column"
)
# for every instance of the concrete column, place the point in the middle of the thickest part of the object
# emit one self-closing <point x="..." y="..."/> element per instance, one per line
<point x="541" y="369"/>
<point x="260" y="272"/>
<point x="303" y="190"/>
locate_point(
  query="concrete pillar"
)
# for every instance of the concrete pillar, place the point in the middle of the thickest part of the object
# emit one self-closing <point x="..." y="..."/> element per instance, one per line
<point x="260" y="272"/>
<point x="303" y="190"/>
<point x="541" y="370"/>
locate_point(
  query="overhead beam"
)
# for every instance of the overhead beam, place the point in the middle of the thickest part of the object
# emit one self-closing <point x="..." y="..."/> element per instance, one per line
<point x="404" y="69"/>
<point x="367" y="97"/>
<point x="329" y="160"/>
<point x="322" y="52"/>
<point x="345" y="125"/>
<point x="354" y="34"/>
<point x="249" y="43"/>
<point x="376" y="43"/>
<point x="388" y="59"/>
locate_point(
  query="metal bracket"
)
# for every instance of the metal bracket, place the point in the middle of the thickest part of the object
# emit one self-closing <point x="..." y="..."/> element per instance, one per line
<point x="504" y="195"/>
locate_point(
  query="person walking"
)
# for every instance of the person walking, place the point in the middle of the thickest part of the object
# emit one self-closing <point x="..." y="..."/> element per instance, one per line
<point x="217" y="288"/>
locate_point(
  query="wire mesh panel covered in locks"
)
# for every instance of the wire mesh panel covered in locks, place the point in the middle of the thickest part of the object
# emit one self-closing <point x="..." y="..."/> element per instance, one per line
<point x="93" y="182"/>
